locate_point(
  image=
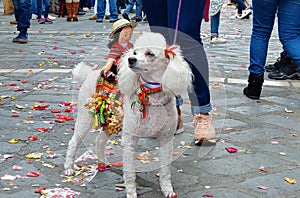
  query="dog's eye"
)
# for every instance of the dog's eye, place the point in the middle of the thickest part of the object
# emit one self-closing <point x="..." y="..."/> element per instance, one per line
<point x="134" y="52"/>
<point x="149" y="53"/>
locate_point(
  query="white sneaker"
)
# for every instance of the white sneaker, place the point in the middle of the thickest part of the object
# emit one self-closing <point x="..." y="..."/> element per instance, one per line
<point x="217" y="40"/>
<point x="51" y="17"/>
<point x="245" y="14"/>
<point x="34" y="17"/>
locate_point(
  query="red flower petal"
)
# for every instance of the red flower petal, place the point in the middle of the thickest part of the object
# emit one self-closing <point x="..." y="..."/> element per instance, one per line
<point x="32" y="174"/>
<point x="231" y="150"/>
<point x="42" y="129"/>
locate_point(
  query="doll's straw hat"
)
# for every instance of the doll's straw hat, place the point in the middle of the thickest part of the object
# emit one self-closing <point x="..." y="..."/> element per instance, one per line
<point x="120" y="24"/>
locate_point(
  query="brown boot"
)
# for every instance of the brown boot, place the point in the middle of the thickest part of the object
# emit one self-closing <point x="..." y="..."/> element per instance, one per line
<point x="75" y="10"/>
<point x="179" y="128"/>
<point x="69" y="11"/>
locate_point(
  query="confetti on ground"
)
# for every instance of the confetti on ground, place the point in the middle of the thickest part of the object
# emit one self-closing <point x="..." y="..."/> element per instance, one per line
<point x="231" y="150"/>
<point x="290" y="180"/>
<point x="58" y="192"/>
<point x="262" y="187"/>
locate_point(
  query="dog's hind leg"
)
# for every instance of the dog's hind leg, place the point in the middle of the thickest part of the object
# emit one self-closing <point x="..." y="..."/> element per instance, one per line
<point x="101" y="142"/>
<point x="165" y="157"/>
<point x="82" y="126"/>
<point x="129" y="143"/>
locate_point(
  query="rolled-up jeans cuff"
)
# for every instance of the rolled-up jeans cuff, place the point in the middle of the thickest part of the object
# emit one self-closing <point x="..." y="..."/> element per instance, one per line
<point x="179" y="101"/>
<point x="201" y="109"/>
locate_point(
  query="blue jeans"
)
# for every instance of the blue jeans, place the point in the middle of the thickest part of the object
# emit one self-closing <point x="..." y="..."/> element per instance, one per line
<point x="40" y="9"/>
<point x="162" y="16"/>
<point x="139" y="6"/>
<point x="101" y="6"/>
<point x="215" y="23"/>
<point x="241" y="5"/>
<point x="22" y="9"/>
<point x="264" y="13"/>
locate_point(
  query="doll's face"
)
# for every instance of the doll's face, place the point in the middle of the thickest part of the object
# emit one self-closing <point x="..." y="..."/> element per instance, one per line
<point x="125" y="34"/>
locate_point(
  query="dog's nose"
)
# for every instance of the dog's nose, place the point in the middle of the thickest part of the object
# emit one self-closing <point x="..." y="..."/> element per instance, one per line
<point x="132" y="61"/>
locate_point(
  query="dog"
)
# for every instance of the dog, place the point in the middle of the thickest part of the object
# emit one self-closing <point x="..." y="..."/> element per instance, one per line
<point x="150" y="76"/>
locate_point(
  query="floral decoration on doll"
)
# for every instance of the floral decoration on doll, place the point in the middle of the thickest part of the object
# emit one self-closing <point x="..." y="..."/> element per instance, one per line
<point x="106" y="104"/>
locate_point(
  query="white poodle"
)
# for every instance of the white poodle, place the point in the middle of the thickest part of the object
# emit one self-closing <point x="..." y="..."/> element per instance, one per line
<point x="150" y="77"/>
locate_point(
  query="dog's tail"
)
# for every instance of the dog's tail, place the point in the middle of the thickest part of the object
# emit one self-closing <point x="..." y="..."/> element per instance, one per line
<point x="80" y="72"/>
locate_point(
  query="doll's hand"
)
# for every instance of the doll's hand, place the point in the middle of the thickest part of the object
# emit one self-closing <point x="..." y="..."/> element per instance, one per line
<point x="106" y="68"/>
<point x="108" y="65"/>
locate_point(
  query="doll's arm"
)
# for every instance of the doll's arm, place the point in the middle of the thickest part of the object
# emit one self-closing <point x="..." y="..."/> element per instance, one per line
<point x="108" y="65"/>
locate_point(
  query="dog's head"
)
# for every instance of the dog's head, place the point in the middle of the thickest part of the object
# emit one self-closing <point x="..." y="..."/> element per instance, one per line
<point x="152" y="58"/>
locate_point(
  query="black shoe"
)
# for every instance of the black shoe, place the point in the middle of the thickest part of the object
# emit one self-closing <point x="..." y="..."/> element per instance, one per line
<point x="289" y="71"/>
<point x="113" y="20"/>
<point x="138" y="20"/>
<point x="99" y="20"/>
<point x="125" y="16"/>
<point x="283" y="60"/>
<point x="253" y="90"/>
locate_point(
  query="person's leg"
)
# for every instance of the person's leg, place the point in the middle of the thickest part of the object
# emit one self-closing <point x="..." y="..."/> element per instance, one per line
<point x="39" y="9"/>
<point x="139" y="6"/>
<point x="113" y="10"/>
<point x="47" y="7"/>
<point x="214" y="24"/>
<point x="100" y="10"/>
<point x="34" y="6"/>
<point x="289" y="28"/>
<point x="23" y="16"/>
<point x="263" y="21"/>
<point x="156" y="11"/>
<point x="189" y="40"/>
<point x="128" y="9"/>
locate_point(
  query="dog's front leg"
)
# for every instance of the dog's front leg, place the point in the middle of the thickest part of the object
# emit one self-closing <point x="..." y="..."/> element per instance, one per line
<point x="101" y="142"/>
<point x="129" y="144"/>
<point x="165" y="157"/>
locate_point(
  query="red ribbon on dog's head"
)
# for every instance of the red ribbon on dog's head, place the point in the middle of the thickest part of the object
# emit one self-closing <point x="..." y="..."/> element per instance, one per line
<point x="169" y="51"/>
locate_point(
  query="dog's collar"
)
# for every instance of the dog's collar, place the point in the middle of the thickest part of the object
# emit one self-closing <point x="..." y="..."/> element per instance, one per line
<point x="149" y="87"/>
<point x="142" y="97"/>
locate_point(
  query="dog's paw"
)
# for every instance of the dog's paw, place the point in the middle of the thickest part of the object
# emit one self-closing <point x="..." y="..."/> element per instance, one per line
<point x="172" y="195"/>
<point x="69" y="172"/>
<point x="131" y="195"/>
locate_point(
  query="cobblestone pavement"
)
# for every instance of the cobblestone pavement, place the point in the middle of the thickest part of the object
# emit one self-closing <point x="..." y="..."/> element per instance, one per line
<point x="38" y="75"/>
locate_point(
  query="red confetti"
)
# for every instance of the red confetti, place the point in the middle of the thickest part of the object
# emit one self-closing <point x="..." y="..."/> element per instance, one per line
<point x="117" y="164"/>
<point x="59" y="120"/>
<point x="42" y="129"/>
<point x="207" y="195"/>
<point x="21" y="50"/>
<point x="14" y="115"/>
<point x="32" y="138"/>
<point x="39" y="189"/>
<point x="73" y="52"/>
<point x="82" y="51"/>
<point x="65" y="103"/>
<point x="42" y="101"/>
<point x="32" y="174"/>
<point x="55" y="111"/>
<point x="231" y="150"/>
<point x="40" y="107"/>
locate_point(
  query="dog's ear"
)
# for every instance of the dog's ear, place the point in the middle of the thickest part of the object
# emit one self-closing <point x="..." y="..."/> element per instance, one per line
<point x="128" y="80"/>
<point x="178" y="75"/>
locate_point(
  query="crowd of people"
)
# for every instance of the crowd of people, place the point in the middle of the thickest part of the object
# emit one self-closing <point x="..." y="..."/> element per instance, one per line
<point x="185" y="16"/>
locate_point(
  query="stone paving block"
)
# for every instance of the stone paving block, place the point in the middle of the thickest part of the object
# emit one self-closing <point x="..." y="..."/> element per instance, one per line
<point x="257" y="109"/>
<point x="281" y="151"/>
<point x="239" y="163"/>
<point x="224" y="123"/>
<point x="285" y="102"/>
<point x="276" y="184"/>
<point x="220" y="192"/>
<point x="255" y="135"/>
<point x="290" y="123"/>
